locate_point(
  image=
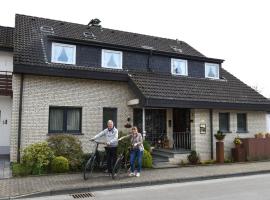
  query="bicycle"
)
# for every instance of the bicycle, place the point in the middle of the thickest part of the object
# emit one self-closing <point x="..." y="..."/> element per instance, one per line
<point x="93" y="161"/>
<point x="122" y="163"/>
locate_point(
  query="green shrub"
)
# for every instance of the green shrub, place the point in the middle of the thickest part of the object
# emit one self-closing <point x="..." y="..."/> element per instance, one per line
<point x="123" y="145"/>
<point x="60" y="164"/>
<point x="69" y="147"/>
<point x="20" y="169"/>
<point x="147" y="159"/>
<point x="147" y="145"/>
<point x="193" y="158"/>
<point x="37" y="157"/>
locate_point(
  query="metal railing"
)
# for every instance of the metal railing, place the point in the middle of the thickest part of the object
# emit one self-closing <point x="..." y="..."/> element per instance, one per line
<point x="182" y="140"/>
<point x="6" y="83"/>
<point x="155" y="139"/>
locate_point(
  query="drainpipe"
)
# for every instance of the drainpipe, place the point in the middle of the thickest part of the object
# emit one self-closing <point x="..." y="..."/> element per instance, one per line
<point x="211" y="133"/>
<point x="143" y="121"/>
<point x="20" y="121"/>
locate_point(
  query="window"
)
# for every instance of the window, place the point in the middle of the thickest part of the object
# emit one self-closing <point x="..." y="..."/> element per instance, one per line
<point x="179" y="67"/>
<point x="109" y="114"/>
<point x="63" y="53"/>
<point x="212" y="70"/>
<point x="241" y="122"/>
<point x="65" y="120"/>
<point x="224" y="122"/>
<point x="111" y="59"/>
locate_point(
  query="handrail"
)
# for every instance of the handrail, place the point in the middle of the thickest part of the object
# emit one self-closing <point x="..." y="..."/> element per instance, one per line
<point x="182" y="140"/>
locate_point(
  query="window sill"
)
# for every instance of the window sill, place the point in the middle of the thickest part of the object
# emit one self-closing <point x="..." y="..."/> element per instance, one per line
<point x="50" y="134"/>
<point x="242" y="132"/>
<point x="225" y="132"/>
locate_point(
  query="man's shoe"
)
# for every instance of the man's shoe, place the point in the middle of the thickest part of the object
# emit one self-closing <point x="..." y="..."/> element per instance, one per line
<point x="138" y="174"/>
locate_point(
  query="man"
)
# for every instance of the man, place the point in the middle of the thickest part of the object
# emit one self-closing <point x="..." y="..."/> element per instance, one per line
<point x="111" y="134"/>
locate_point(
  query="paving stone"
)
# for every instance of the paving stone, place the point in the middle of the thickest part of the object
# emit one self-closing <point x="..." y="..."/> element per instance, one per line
<point x="52" y="183"/>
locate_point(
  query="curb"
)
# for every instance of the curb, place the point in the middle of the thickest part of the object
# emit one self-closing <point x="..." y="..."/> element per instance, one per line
<point x="129" y="185"/>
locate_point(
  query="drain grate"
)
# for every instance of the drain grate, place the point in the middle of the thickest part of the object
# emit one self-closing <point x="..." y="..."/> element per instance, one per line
<point x="82" y="195"/>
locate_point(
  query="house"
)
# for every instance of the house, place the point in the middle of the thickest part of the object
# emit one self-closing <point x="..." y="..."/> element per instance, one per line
<point x="6" y="68"/>
<point x="71" y="78"/>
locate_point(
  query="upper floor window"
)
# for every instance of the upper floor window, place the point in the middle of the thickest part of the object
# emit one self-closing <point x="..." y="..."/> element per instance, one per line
<point x="111" y="59"/>
<point x="179" y="67"/>
<point x="212" y="70"/>
<point x="63" y="53"/>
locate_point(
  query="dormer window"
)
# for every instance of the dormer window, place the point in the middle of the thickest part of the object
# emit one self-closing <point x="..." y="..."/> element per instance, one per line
<point x="63" y="53"/>
<point x="212" y="70"/>
<point x="111" y="59"/>
<point x="179" y="67"/>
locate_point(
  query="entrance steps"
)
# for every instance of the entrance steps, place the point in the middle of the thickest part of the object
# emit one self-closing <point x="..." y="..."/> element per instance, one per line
<point x="168" y="158"/>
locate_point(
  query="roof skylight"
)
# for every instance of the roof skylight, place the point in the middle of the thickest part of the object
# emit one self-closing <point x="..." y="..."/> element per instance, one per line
<point x="47" y="29"/>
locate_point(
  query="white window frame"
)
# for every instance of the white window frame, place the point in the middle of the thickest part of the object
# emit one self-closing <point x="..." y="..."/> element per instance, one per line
<point x="63" y="45"/>
<point x="212" y="64"/>
<point x="111" y="51"/>
<point x="186" y="64"/>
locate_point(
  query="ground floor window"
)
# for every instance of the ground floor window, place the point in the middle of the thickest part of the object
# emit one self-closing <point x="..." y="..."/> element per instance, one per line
<point x="65" y="119"/>
<point x="224" y="122"/>
<point x="109" y="114"/>
<point x="241" y="122"/>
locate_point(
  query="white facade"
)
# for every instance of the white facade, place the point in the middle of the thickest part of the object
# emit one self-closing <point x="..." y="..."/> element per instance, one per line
<point x="6" y="61"/>
<point x="6" y="64"/>
<point x="5" y="122"/>
<point x="268" y="122"/>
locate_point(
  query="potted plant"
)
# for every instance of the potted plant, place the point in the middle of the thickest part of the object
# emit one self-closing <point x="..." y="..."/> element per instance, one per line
<point x="220" y="146"/>
<point x="219" y="136"/>
<point x="237" y="142"/>
<point x="259" y="135"/>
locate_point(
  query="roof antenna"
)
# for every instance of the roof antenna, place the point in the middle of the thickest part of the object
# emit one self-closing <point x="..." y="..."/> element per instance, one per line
<point x="94" y="22"/>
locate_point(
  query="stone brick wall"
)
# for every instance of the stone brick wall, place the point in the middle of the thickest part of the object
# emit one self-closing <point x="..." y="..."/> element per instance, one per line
<point x="40" y="92"/>
<point x="256" y="122"/>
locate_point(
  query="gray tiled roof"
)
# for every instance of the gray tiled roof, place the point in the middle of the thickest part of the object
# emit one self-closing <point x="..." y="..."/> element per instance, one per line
<point x="6" y="37"/>
<point x="30" y="45"/>
<point x="229" y="89"/>
<point x="30" y="50"/>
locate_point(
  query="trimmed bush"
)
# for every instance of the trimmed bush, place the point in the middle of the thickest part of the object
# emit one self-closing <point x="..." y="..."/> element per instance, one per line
<point x="37" y="157"/>
<point x="193" y="158"/>
<point x="60" y="165"/>
<point x="20" y="169"/>
<point x="147" y="145"/>
<point x="69" y="147"/>
<point x="147" y="159"/>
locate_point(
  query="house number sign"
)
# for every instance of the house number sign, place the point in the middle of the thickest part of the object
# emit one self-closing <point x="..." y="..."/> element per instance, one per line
<point x="202" y="128"/>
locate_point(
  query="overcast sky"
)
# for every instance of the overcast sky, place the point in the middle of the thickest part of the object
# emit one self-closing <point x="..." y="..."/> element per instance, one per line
<point x="237" y="31"/>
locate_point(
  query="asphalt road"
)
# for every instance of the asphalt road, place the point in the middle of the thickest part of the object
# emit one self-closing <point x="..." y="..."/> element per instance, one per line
<point x="254" y="187"/>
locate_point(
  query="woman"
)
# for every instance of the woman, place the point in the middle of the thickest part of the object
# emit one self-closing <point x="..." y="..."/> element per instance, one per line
<point x="136" y="151"/>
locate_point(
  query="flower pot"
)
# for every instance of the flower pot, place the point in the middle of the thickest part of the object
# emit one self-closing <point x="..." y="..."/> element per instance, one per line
<point x="237" y="146"/>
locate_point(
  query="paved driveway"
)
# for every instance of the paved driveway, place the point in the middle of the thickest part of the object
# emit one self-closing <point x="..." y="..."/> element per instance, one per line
<point x="4" y="168"/>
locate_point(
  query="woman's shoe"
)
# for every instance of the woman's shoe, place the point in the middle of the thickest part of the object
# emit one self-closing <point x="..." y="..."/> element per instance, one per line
<point x="138" y="174"/>
<point x="131" y="174"/>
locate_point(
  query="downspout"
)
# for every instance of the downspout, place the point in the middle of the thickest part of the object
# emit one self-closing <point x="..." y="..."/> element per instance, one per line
<point x="211" y="133"/>
<point x="20" y="121"/>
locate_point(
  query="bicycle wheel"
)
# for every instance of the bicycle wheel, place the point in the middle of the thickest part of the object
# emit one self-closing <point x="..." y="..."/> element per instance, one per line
<point x="117" y="168"/>
<point x="88" y="168"/>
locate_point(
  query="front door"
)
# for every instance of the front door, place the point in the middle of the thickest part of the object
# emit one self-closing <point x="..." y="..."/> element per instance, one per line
<point x="181" y="128"/>
<point x="5" y="121"/>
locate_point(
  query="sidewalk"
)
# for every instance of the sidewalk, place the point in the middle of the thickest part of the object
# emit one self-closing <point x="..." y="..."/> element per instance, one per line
<point x="72" y="183"/>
